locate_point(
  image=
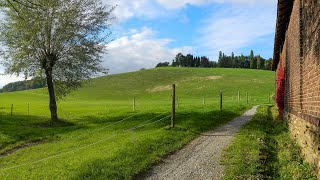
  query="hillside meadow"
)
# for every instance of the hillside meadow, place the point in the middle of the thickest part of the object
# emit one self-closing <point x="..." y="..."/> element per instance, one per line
<point x="101" y="137"/>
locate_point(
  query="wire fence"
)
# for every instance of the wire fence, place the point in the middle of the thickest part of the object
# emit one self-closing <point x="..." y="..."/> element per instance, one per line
<point x="179" y="102"/>
<point x="145" y="123"/>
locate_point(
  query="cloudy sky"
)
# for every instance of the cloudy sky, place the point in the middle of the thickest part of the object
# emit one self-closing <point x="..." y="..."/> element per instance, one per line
<point x="149" y="31"/>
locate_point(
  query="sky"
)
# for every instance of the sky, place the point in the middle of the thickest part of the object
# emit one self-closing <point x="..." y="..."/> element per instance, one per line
<point x="146" y="32"/>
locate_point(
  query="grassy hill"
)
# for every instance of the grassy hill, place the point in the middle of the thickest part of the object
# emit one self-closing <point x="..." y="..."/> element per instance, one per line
<point x="151" y="87"/>
<point x="103" y="137"/>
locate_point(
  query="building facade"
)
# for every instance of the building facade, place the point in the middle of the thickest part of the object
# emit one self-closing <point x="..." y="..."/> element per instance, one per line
<point x="297" y="53"/>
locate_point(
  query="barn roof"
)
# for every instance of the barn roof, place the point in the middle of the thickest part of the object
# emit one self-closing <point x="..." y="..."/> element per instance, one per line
<point x="283" y="19"/>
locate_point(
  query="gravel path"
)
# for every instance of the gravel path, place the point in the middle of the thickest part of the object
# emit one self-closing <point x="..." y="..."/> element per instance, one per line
<point x="200" y="159"/>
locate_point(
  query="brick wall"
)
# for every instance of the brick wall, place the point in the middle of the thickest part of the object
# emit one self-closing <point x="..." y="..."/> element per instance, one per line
<point x="311" y="59"/>
<point x="301" y="58"/>
<point x="291" y="59"/>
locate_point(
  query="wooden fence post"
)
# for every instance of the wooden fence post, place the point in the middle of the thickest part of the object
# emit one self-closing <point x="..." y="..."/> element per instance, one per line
<point x="11" y="109"/>
<point x="173" y="111"/>
<point x="134" y="103"/>
<point x="220" y="100"/>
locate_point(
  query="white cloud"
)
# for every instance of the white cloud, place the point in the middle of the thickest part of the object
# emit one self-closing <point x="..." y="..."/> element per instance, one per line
<point x="176" y="4"/>
<point x="139" y="50"/>
<point x="236" y="27"/>
<point x="8" y="79"/>
<point x="5" y="79"/>
<point x="127" y="9"/>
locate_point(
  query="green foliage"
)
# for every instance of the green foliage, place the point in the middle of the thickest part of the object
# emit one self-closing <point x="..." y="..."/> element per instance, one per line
<point x="62" y="39"/>
<point x="268" y="64"/>
<point x="224" y="61"/>
<point x="190" y="61"/>
<point x="259" y="62"/>
<point x="24" y="85"/>
<point x="263" y="149"/>
<point x="251" y="61"/>
<point x="163" y="64"/>
<point x="106" y="100"/>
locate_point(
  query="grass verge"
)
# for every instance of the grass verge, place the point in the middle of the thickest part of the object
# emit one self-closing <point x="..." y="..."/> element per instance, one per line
<point x="263" y="149"/>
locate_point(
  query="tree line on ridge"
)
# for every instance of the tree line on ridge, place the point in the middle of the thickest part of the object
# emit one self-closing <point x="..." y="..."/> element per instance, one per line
<point x="248" y="62"/>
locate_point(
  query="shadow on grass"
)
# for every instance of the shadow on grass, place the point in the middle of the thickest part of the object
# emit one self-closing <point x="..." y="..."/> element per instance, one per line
<point x="269" y="146"/>
<point x="201" y="122"/>
<point x="55" y="124"/>
<point x="22" y="131"/>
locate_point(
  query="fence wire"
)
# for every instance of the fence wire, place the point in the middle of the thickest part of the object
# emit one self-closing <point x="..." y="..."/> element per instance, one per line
<point x="148" y="122"/>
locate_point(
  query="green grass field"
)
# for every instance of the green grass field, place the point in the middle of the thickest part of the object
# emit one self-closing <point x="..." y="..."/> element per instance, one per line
<point x="102" y="137"/>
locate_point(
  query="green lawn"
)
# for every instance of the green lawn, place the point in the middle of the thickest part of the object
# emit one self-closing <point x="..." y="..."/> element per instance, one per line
<point x="263" y="149"/>
<point x="102" y="138"/>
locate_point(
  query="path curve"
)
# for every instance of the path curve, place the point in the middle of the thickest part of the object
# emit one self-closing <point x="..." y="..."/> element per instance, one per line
<point x="200" y="159"/>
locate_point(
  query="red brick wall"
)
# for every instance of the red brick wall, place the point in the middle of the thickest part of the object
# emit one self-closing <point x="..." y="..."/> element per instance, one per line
<point x="291" y="59"/>
<point x="301" y="58"/>
<point x="311" y="59"/>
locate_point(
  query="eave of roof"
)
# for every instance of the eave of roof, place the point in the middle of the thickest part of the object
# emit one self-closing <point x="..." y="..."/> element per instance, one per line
<point x="283" y="19"/>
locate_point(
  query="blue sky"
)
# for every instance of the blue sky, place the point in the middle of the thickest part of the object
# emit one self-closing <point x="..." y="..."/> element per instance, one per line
<point x="146" y="32"/>
<point x="150" y="31"/>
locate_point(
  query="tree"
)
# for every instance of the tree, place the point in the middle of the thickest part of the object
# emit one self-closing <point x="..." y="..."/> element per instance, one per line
<point x="237" y="62"/>
<point x="268" y="64"/>
<point x="213" y="64"/>
<point x="163" y="64"/>
<point x="232" y="60"/>
<point x="259" y="62"/>
<point x="253" y="61"/>
<point x="61" y="39"/>
<point x="34" y="83"/>
<point x="262" y="62"/>
<point x="221" y="61"/>
<point x="220" y="55"/>
<point x="204" y="62"/>
<point x="189" y="59"/>
<point x="198" y="60"/>
<point x="24" y="3"/>
<point x="174" y="64"/>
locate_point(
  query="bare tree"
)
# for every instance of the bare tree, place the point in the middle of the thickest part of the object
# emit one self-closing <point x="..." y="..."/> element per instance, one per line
<point x="61" y="40"/>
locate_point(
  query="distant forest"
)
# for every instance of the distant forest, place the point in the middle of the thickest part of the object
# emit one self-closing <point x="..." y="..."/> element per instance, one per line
<point x="249" y="62"/>
<point x="24" y="85"/>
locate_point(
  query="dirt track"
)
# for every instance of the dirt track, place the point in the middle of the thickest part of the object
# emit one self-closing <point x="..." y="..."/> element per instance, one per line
<point x="200" y="159"/>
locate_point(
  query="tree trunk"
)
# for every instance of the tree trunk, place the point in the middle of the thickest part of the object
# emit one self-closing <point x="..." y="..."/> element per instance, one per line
<point x="52" y="96"/>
